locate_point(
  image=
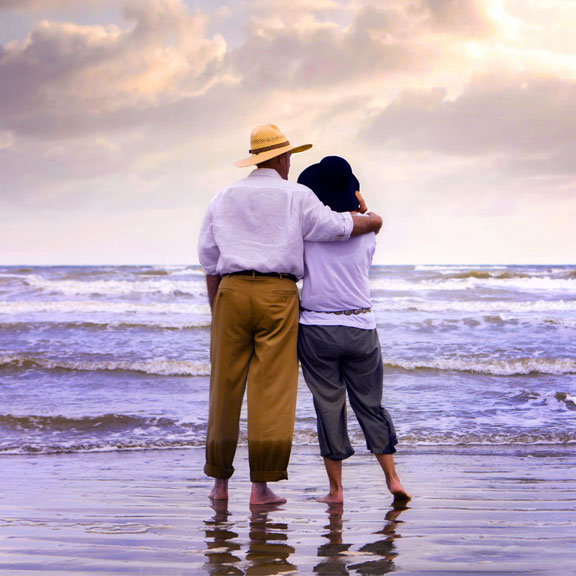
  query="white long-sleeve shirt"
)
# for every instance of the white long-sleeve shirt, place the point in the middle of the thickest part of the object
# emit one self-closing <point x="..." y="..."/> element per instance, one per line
<point x="261" y="222"/>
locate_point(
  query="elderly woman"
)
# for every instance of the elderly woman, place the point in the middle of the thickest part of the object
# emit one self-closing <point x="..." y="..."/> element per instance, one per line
<point x="338" y="343"/>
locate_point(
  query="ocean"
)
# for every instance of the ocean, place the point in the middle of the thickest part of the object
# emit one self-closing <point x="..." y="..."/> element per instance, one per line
<point x="113" y="358"/>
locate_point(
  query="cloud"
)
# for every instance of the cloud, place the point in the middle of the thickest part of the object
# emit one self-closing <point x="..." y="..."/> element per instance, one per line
<point x="448" y="109"/>
<point x="46" y="5"/>
<point x="6" y="140"/>
<point x="67" y="77"/>
<point x="518" y="116"/>
<point x="468" y="18"/>
<point x="308" y="45"/>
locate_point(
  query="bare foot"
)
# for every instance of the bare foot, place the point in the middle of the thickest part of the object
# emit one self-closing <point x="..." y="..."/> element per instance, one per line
<point x="332" y="498"/>
<point x="398" y="491"/>
<point x="261" y="494"/>
<point x="219" y="490"/>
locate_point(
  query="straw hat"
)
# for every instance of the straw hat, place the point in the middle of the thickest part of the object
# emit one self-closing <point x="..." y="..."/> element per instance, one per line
<point x="268" y="141"/>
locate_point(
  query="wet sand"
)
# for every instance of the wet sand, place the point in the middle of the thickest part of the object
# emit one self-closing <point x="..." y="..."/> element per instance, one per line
<point x="492" y="510"/>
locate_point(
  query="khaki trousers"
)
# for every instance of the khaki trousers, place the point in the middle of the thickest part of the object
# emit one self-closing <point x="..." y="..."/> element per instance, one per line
<point x="253" y="343"/>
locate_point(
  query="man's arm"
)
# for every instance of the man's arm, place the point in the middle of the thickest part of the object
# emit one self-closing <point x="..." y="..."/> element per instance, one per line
<point x="212" y="283"/>
<point x="208" y="255"/>
<point x="365" y="223"/>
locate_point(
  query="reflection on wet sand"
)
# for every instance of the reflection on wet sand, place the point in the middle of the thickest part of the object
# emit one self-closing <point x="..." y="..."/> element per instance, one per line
<point x="220" y="556"/>
<point x="336" y="560"/>
<point x="268" y="551"/>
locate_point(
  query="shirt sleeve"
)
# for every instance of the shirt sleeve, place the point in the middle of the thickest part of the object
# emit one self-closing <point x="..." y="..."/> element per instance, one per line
<point x="321" y="224"/>
<point x="208" y="251"/>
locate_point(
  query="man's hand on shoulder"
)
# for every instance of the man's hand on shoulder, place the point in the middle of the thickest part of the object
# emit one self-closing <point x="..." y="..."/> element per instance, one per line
<point x="364" y="223"/>
<point x="362" y="208"/>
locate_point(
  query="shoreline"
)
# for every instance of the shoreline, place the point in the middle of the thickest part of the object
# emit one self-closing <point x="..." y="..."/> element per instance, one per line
<point x="490" y="510"/>
<point x="405" y="449"/>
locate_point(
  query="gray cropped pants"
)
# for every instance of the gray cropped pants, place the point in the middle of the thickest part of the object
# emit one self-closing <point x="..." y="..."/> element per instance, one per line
<point x="340" y="359"/>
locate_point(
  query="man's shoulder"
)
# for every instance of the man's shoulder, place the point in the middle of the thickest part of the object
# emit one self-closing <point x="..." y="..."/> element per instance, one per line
<point x="258" y="180"/>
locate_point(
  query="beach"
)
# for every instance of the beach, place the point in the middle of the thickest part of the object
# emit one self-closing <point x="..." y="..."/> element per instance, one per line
<point x="491" y="510"/>
<point x="104" y="382"/>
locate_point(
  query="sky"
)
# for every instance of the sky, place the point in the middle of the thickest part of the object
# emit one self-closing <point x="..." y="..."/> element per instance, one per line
<point x="120" y="120"/>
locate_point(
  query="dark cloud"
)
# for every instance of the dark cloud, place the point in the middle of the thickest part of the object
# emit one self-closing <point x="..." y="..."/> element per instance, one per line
<point x="30" y="166"/>
<point x="302" y="55"/>
<point x="514" y="117"/>
<point x="47" y="5"/>
<point x="458" y="17"/>
<point x="381" y="40"/>
<point x="39" y="77"/>
<point x="25" y="5"/>
<point x="67" y="78"/>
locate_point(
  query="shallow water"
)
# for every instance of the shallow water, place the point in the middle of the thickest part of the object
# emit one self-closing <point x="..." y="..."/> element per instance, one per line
<point x="476" y="510"/>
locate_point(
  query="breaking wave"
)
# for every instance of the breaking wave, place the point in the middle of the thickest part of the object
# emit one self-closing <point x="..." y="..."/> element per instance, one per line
<point x="409" y="304"/>
<point x="94" y="307"/>
<point x="507" y="367"/>
<point x="34" y="434"/>
<point x="157" y="366"/>
<point x="104" y="324"/>
<point x="474" y="281"/>
<point x="109" y="432"/>
<point x="159" y="285"/>
<point x="169" y="367"/>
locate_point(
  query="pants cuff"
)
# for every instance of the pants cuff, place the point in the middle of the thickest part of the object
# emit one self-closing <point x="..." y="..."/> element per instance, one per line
<point x="338" y="457"/>
<point x="389" y="450"/>
<point x="218" y="472"/>
<point x="268" y="475"/>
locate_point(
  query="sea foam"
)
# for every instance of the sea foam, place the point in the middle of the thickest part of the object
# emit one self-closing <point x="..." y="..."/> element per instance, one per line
<point x="156" y="366"/>
<point x="159" y="285"/>
<point x="504" y="367"/>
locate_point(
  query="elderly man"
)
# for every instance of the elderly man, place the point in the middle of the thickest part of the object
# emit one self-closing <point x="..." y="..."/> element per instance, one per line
<point x="251" y="250"/>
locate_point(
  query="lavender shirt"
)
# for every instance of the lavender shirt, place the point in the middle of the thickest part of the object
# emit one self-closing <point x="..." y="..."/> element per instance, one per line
<point x="336" y="278"/>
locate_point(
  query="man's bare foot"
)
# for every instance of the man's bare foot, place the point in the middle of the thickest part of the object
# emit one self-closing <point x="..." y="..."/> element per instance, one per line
<point x="219" y="490"/>
<point x="261" y="494"/>
<point x="398" y="491"/>
<point x="332" y="498"/>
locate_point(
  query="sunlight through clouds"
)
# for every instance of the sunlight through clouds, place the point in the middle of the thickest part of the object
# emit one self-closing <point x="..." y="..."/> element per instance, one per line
<point x="438" y="105"/>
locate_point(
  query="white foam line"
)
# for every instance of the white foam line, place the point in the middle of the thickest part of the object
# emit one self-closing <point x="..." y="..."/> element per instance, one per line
<point x="508" y="367"/>
<point x="27" y="307"/>
<point x="160" y="285"/>
<point x="400" y="304"/>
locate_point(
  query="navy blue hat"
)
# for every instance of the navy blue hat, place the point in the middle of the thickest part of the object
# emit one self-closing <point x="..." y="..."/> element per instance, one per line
<point x="333" y="182"/>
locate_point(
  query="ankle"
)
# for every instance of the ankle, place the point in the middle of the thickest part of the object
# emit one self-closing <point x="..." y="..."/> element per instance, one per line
<point x="259" y="487"/>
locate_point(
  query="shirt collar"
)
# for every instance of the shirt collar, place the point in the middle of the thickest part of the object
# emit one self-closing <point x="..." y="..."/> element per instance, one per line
<point x="265" y="172"/>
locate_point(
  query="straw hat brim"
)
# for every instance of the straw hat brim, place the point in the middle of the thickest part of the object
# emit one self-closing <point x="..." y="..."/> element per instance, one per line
<point x="263" y="156"/>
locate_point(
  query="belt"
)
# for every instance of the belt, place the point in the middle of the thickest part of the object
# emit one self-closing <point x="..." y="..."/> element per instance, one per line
<point x="354" y="312"/>
<point x="255" y="273"/>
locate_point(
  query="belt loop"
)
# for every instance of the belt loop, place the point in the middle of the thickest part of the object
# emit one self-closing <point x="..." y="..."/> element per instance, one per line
<point x="253" y="274"/>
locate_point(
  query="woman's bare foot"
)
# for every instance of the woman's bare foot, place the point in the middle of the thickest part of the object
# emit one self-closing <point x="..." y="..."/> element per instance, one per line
<point x="219" y="490"/>
<point x="261" y="494"/>
<point x="397" y="490"/>
<point x="392" y="480"/>
<point x="332" y="498"/>
<point x="336" y="491"/>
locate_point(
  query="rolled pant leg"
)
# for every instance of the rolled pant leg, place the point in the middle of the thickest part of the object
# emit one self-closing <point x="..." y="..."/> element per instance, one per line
<point x="320" y="349"/>
<point x="363" y="373"/>
<point x="272" y="378"/>
<point x="230" y="350"/>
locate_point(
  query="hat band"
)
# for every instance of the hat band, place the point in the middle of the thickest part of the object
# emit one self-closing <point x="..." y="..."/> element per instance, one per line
<point x="267" y="148"/>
